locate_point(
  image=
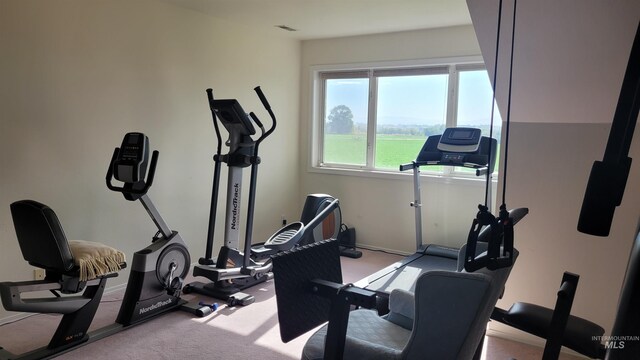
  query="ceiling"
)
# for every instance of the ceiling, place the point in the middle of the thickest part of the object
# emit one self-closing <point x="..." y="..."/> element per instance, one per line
<point x="315" y="19"/>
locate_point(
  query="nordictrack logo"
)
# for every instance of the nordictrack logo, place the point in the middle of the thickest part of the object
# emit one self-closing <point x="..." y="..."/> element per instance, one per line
<point x="234" y="220"/>
<point x="155" y="306"/>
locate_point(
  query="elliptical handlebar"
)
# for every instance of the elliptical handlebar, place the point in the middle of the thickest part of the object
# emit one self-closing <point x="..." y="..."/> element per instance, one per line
<point x="132" y="190"/>
<point x="267" y="106"/>
<point x="215" y="121"/>
<point x="263" y="99"/>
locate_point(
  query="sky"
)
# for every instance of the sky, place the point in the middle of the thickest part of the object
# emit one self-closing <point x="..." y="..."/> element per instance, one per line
<point x="415" y="100"/>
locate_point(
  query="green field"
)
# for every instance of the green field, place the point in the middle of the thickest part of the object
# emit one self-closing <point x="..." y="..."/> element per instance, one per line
<point x="391" y="150"/>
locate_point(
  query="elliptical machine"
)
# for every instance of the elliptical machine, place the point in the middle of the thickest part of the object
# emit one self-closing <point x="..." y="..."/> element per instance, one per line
<point x="233" y="270"/>
<point x="155" y="280"/>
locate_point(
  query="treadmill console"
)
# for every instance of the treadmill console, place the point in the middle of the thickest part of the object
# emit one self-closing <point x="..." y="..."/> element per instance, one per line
<point x="457" y="147"/>
<point x="460" y="140"/>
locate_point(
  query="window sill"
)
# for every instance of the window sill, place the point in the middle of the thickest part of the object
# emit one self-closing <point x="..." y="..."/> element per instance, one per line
<point x="405" y="175"/>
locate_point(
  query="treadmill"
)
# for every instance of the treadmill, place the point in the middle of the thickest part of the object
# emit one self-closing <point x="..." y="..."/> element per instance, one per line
<point x="464" y="147"/>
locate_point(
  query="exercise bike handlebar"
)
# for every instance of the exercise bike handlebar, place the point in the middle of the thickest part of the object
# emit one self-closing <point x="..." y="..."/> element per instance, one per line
<point x="147" y="183"/>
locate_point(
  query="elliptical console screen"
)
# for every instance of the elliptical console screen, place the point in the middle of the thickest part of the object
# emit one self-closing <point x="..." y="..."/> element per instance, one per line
<point x="233" y="117"/>
<point x="460" y="140"/>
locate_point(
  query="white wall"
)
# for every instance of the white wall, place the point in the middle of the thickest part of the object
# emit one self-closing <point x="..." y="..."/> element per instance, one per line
<point x="75" y="76"/>
<point x="379" y="207"/>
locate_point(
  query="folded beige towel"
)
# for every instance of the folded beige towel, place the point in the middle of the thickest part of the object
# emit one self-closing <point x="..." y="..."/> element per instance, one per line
<point x="95" y="259"/>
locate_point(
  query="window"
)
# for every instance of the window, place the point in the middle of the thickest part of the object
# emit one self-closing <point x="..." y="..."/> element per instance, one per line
<point x="379" y="118"/>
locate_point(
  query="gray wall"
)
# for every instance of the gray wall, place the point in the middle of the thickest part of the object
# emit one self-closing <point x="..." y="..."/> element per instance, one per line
<point x="548" y="170"/>
<point x="568" y="64"/>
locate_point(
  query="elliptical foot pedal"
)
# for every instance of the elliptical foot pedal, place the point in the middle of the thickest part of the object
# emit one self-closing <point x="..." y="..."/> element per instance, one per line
<point x="241" y="299"/>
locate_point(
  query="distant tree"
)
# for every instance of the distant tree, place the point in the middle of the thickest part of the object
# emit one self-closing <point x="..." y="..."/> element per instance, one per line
<point x="340" y="120"/>
<point x="434" y="130"/>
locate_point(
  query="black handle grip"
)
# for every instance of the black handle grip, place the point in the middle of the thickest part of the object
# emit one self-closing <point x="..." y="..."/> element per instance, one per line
<point x="266" y="105"/>
<point x="405" y="167"/>
<point x="210" y="97"/>
<point x="263" y="99"/>
<point x="566" y="289"/>
<point x="152" y="171"/>
<point x="256" y="120"/>
<point x="110" y="170"/>
<point x="215" y="122"/>
<point x="481" y="171"/>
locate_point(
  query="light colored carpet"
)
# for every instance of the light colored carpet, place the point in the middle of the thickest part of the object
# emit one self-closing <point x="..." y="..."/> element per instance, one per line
<point x="249" y="332"/>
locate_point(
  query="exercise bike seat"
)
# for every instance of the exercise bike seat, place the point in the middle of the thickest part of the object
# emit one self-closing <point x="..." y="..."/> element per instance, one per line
<point x="44" y="244"/>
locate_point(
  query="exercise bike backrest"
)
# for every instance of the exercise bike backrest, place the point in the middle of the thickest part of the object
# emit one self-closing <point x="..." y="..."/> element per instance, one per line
<point x="129" y="165"/>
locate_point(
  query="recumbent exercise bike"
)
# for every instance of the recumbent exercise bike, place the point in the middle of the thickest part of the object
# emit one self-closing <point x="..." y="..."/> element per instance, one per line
<point x="156" y="276"/>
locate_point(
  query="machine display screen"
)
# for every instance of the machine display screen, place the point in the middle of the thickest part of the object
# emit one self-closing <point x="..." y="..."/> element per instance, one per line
<point x="461" y="135"/>
<point x="460" y="140"/>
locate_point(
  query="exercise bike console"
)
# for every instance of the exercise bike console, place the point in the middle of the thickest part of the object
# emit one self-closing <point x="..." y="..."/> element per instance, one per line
<point x="129" y="165"/>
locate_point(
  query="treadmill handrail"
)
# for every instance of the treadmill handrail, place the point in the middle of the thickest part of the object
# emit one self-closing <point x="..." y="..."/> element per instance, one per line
<point x="414" y="164"/>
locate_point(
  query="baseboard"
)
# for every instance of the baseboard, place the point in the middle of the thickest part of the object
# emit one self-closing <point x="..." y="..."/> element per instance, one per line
<point x="521" y="338"/>
<point x="378" y="248"/>
<point x="115" y="288"/>
<point x="525" y="338"/>
<point x="19" y="316"/>
<point x="14" y="317"/>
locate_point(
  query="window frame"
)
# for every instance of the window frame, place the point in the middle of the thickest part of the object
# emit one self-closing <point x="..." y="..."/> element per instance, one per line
<point x="320" y="73"/>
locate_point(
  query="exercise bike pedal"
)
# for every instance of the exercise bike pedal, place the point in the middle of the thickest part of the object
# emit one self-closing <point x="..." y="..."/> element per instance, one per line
<point x="197" y="309"/>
